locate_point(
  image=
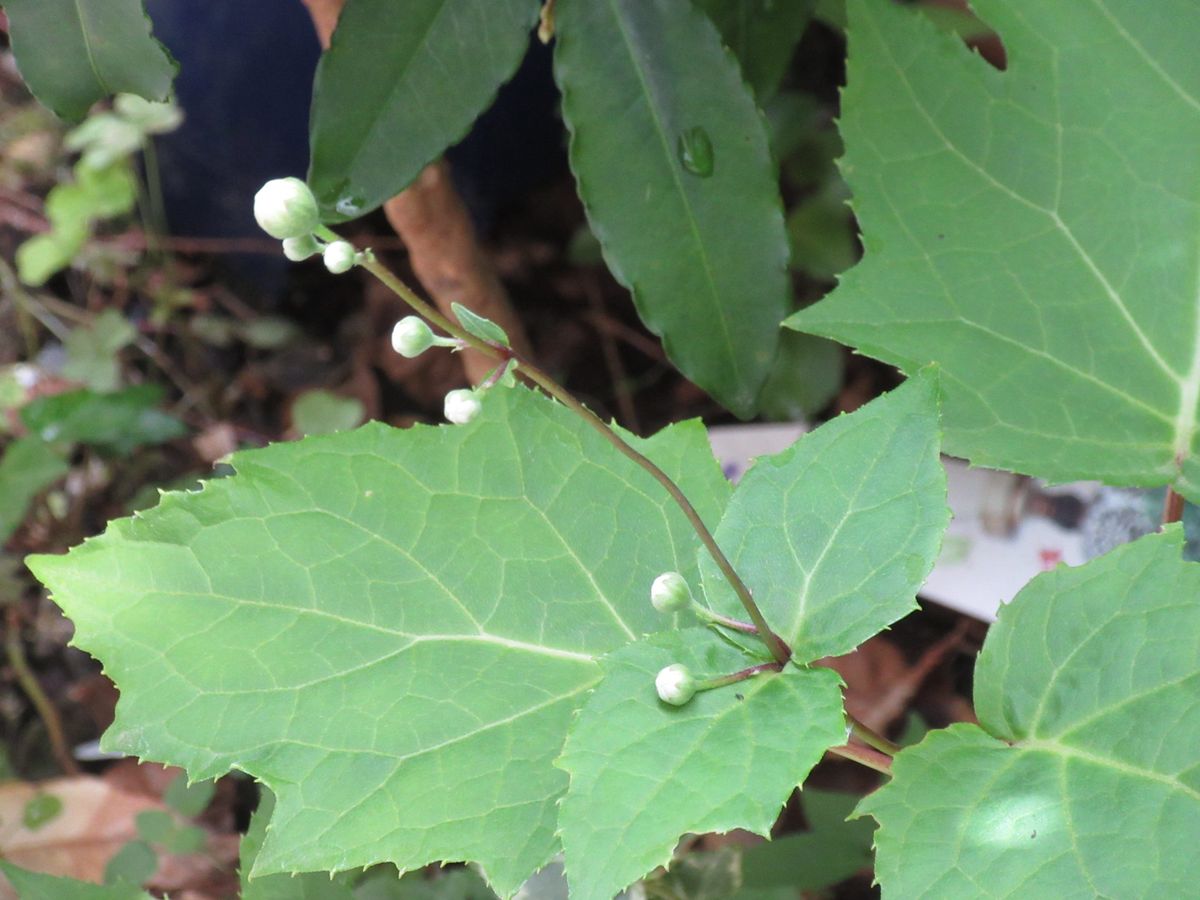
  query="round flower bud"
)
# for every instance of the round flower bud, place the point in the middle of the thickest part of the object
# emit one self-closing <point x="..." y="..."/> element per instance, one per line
<point x="340" y="256"/>
<point x="286" y="208"/>
<point x="462" y="406"/>
<point x="298" y="249"/>
<point x="675" y="685"/>
<point x="411" y="337"/>
<point x="670" y="593"/>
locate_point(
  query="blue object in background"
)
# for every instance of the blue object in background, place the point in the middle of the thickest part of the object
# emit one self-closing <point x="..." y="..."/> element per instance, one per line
<point x="244" y="83"/>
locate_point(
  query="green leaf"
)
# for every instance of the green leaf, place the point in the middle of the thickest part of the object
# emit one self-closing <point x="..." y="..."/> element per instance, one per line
<point x="762" y="34"/>
<point x="455" y="884"/>
<point x="323" y="412"/>
<point x="305" y="886"/>
<point x="118" y="421"/>
<point x="643" y="773"/>
<point x="131" y="865"/>
<point x="75" y="52"/>
<point x="835" y="534"/>
<point x="189" y="799"/>
<point x="391" y="629"/>
<point x="92" y="351"/>
<point x="1082" y="779"/>
<point x="43" y="255"/>
<point x="95" y="194"/>
<point x="155" y="826"/>
<point x="38" y="886"/>
<point x="41" y="810"/>
<point x="28" y="466"/>
<point x="484" y="329"/>
<point x="830" y="851"/>
<point x="806" y="376"/>
<point x="399" y="84"/>
<point x="1033" y="231"/>
<point x="646" y="84"/>
<point x="821" y="232"/>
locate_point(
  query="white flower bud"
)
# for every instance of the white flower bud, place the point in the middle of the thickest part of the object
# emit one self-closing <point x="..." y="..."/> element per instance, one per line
<point x="411" y="337"/>
<point x="462" y="406"/>
<point x="340" y="256"/>
<point x="675" y="685"/>
<point x="670" y="593"/>
<point x="286" y="208"/>
<point x="298" y="249"/>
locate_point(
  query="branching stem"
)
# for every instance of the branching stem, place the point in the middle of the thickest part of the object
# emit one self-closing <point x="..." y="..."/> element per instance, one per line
<point x="707" y="615"/>
<point x="872" y="738"/>
<point x="775" y="644"/>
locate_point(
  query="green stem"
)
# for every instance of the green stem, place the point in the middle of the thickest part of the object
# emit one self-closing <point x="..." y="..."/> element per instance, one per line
<point x="865" y="756"/>
<point x="872" y="738"/>
<point x="707" y="615"/>
<point x="778" y="648"/>
<point x="723" y="680"/>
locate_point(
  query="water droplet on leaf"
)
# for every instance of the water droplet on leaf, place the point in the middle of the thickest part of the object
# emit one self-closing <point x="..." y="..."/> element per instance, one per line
<point x="696" y="151"/>
<point x="350" y="204"/>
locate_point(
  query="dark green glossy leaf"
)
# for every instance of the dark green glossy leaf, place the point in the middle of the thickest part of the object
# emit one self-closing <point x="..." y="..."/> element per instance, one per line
<point x="671" y="158"/>
<point x="762" y="34"/>
<point x="75" y="52"/>
<point x="399" y="84"/>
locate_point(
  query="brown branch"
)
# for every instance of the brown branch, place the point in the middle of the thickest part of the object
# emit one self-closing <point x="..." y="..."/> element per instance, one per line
<point x="33" y="690"/>
<point x="1172" y="506"/>
<point x="432" y="220"/>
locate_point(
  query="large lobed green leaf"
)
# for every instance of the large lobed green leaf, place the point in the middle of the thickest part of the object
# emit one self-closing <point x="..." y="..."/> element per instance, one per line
<point x="1084" y="777"/>
<point x="399" y="84"/>
<point x="1034" y="231"/>
<point x="75" y="52"/>
<point x="644" y="773"/>
<point x="672" y="162"/>
<point x="391" y="629"/>
<point x="835" y="535"/>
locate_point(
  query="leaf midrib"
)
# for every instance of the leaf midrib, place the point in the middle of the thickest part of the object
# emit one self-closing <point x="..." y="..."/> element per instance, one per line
<point x="87" y="46"/>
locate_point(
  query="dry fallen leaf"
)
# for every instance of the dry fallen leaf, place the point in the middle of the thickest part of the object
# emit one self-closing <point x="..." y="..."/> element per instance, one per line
<point x="95" y="821"/>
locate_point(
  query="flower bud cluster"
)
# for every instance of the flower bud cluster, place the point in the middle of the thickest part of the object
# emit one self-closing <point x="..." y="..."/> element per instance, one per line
<point x="285" y="208"/>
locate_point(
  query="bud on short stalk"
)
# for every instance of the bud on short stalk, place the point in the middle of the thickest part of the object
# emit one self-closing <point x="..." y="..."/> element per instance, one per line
<point x="286" y="208"/>
<point x="462" y="406"/>
<point x="411" y="337"/>
<point x="298" y="249"/>
<point x="340" y="256"/>
<point x="675" y="684"/>
<point x="670" y="593"/>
